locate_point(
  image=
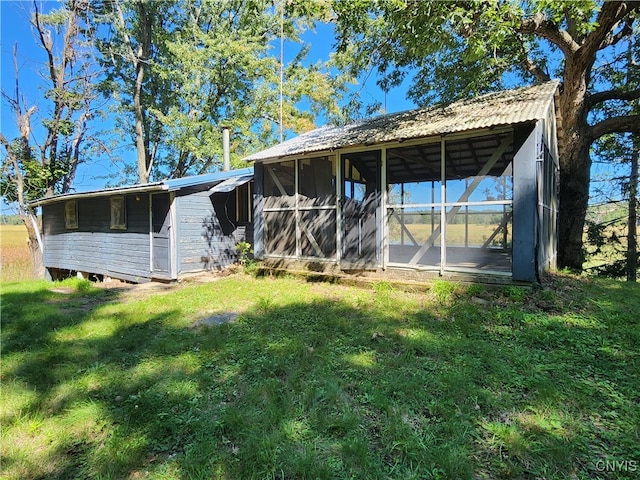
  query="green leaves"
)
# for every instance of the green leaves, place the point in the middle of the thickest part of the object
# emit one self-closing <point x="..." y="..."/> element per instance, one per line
<point x="215" y="64"/>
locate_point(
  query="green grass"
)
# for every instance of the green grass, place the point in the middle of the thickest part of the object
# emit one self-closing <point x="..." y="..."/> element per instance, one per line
<point x="321" y="381"/>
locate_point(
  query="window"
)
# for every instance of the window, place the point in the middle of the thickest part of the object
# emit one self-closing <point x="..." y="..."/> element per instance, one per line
<point x="244" y="203"/>
<point x="118" y="213"/>
<point x="71" y="214"/>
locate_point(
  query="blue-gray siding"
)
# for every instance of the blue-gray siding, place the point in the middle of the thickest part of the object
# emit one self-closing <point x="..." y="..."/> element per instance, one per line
<point x="94" y="247"/>
<point x="524" y="208"/>
<point x="204" y="240"/>
<point x="258" y="210"/>
<point x="201" y="240"/>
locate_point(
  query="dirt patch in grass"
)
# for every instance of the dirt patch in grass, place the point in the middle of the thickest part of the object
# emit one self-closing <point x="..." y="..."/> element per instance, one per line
<point x="215" y="320"/>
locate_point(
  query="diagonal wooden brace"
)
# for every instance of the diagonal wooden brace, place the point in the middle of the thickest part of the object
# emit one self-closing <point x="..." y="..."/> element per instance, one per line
<point x="506" y="142"/>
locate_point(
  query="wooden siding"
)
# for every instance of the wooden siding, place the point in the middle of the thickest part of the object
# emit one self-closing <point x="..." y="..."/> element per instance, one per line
<point x="206" y="238"/>
<point x="94" y="247"/>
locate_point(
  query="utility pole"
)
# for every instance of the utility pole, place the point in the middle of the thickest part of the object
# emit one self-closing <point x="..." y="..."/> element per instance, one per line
<point x="281" y="127"/>
<point x="632" y="227"/>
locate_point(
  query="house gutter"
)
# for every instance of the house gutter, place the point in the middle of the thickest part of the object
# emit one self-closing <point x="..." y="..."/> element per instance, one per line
<point x="160" y="186"/>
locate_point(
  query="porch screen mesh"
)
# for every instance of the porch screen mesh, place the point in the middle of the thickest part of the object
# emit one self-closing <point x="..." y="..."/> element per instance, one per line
<point x="300" y="208"/>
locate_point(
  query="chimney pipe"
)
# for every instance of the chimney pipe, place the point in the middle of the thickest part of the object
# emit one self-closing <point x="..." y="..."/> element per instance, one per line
<point x="226" y="163"/>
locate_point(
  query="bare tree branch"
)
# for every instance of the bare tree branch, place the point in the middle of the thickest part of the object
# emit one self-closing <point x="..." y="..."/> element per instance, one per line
<point x="534" y="69"/>
<point x="615" y="94"/>
<point x="45" y="40"/>
<point x="610" y="14"/>
<point x="623" y="124"/>
<point x="614" y="38"/>
<point x="17" y="176"/>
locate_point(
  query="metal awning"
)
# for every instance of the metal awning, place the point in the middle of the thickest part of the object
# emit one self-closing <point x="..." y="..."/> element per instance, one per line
<point x="231" y="184"/>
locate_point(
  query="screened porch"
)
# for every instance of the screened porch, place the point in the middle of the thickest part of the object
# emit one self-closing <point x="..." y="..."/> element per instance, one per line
<point x="383" y="207"/>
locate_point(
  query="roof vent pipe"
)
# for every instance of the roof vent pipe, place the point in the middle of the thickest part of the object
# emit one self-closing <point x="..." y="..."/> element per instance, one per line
<point x="226" y="163"/>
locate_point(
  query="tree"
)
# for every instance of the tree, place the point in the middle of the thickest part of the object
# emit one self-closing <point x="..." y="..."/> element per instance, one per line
<point x="612" y="218"/>
<point x="42" y="158"/>
<point x="459" y="49"/>
<point x="127" y="51"/>
<point x="619" y="151"/>
<point x="181" y="70"/>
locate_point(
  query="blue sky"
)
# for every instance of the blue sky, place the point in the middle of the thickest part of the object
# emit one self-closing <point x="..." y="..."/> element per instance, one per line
<point x="14" y="17"/>
<point x="15" y="28"/>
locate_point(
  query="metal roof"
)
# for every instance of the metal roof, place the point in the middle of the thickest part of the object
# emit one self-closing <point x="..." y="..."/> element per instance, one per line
<point x="507" y="107"/>
<point x="169" y="185"/>
<point x="231" y="184"/>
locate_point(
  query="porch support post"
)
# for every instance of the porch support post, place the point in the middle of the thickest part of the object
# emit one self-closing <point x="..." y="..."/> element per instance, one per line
<point x="443" y="214"/>
<point x="258" y="211"/>
<point x="173" y="236"/>
<point x="384" y="241"/>
<point x="151" y="233"/>
<point x="339" y="202"/>
<point x="524" y="208"/>
<point x="296" y="206"/>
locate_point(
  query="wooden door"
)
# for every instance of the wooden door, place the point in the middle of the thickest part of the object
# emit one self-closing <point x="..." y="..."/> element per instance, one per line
<point x="360" y="206"/>
<point x="161" y="235"/>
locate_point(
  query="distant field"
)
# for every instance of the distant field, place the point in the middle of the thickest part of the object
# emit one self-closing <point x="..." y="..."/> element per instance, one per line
<point x="478" y="234"/>
<point x="15" y="264"/>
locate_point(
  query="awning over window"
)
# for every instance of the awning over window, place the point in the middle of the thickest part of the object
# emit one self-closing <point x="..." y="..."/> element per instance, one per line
<point x="230" y="184"/>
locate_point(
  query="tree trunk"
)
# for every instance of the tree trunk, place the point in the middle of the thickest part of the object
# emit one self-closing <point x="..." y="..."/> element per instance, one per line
<point x="575" y="170"/>
<point x="142" y="58"/>
<point x="143" y="172"/>
<point x="37" y="260"/>
<point x="574" y="143"/>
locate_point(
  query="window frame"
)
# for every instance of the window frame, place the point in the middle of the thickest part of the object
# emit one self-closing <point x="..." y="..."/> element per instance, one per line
<point x="71" y="214"/>
<point x="115" y="204"/>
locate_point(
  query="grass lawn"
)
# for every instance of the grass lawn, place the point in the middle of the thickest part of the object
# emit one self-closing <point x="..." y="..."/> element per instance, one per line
<point x="323" y="381"/>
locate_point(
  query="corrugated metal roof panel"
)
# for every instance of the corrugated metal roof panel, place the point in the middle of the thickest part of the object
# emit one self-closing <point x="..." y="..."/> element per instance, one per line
<point x="507" y="107"/>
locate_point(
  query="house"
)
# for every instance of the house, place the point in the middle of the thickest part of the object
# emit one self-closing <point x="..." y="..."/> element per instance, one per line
<point x="469" y="187"/>
<point x="155" y="231"/>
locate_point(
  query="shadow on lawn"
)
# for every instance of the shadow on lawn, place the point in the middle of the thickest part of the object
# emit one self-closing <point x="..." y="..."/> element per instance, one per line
<point x="330" y="388"/>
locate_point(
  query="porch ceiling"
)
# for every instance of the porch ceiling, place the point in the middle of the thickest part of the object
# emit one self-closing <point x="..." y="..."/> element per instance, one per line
<point x="464" y="158"/>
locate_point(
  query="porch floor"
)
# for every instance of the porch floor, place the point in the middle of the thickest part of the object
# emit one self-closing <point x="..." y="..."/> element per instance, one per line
<point x="482" y="259"/>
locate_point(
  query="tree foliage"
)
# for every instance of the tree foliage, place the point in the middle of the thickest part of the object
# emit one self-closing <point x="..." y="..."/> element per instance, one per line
<point x="617" y="155"/>
<point x="52" y="133"/>
<point x="460" y="49"/>
<point x="180" y="70"/>
<point x="48" y="153"/>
